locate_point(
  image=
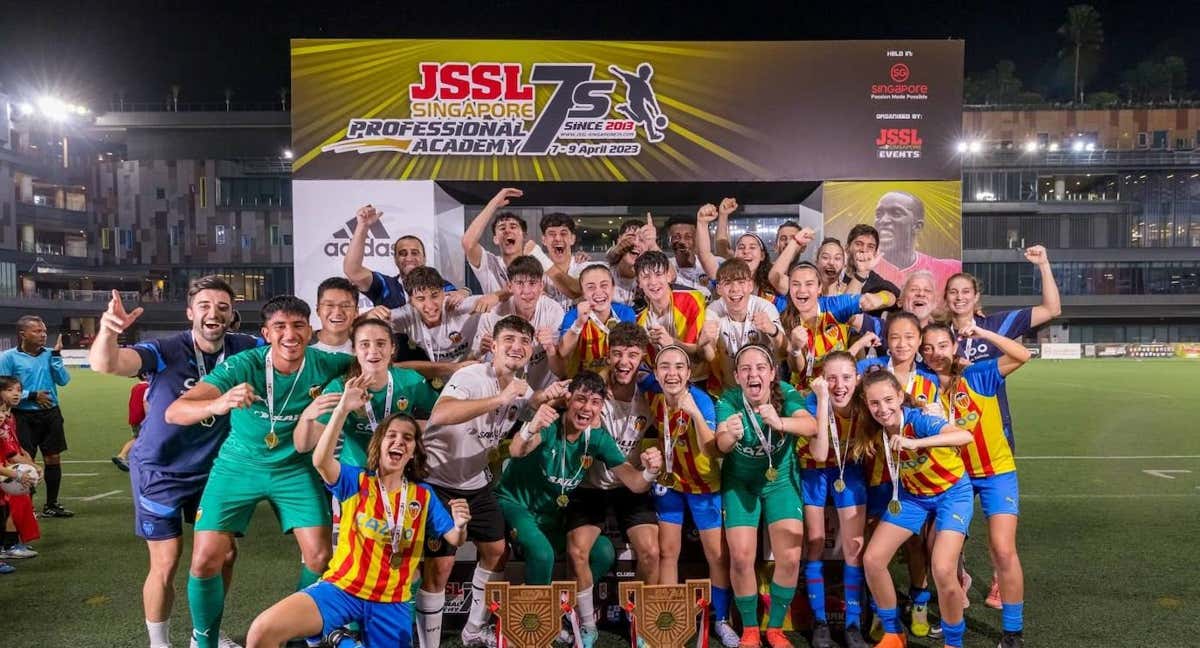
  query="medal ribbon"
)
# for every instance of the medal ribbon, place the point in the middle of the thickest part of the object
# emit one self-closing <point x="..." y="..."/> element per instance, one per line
<point x="387" y="404"/>
<point x="587" y="441"/>
<point x="200" y="368"/>
<point x="893" y="468"/>
<point x="270" y="377"/>
<point x="393" y="520"/>
<point x="668" y="438"/>
<point x="837" y="445"/>
<point x="763" y="439"/>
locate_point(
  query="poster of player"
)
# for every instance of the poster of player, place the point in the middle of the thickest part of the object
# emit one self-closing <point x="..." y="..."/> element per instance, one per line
<point x="919" y="223"/>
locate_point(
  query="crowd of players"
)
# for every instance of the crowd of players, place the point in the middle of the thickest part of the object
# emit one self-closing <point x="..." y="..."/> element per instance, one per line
<point x="710" y="383"/>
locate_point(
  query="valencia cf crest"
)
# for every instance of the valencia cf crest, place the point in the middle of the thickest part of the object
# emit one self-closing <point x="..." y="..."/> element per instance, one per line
<point x="314" y="391"/>
<point x="961" y="399"/>
<point x="586" y="460"/>
<point x="455" y="337"/>
<point x="639" y="424"/>
<point x="434" y="544"/>
<point x="414" y="509"/>
<point x="831" y="330"/>
<point x="401" y="404"/>
<point x="752" y="336"/>
<point x="922" y="398"/>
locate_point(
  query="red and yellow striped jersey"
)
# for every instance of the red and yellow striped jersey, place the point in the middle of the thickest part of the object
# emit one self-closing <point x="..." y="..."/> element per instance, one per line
<point x="687" y="317"/>
<point x="972" y="404"/>
<point x="845" y="429"/>
<point x="695" y="472"/>
<point x="830" y="333"/>
<point x="361" y="563"/>
<point x="927" y="471"/>
<point x="591" y="352"/>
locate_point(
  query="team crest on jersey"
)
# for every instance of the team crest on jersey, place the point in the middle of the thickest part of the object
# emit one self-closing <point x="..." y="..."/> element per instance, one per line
<point x="455" y="337"/>
<point x="586" y="461"/>
<point x="639" y="424"/>
<point x="314" y="391"/>
<point x="961" y="399"/>
<point x="414" y="509"/>
<point x="922" y="398"/>
<point x="401" y="403"/>
<point x="434" y="544"/>
<point x="831" y="330"/>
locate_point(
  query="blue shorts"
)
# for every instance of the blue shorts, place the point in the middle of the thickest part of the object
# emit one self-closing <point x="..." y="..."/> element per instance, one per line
<point x="951" y="510"/>
<point x="878" y="497"/>
<point x="383" y="624"/>
<point x="998" y="494"/>
<point x="163" y="501"/>
<point x="705" y="507"/>
<point x="816" y="486"/>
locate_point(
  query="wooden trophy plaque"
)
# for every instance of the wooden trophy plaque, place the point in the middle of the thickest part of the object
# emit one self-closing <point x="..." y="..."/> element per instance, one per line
<point x="666" y="615"/>
<point x="530" y="615"/>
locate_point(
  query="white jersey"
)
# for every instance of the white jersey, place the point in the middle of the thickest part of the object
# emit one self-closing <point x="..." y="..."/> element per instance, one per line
<point x="552" y="291"/>
<point x="734" y="335"/>
<point x="449" y="341"/>
<point x="626" y="422"/>
<point x="546" y="315"/>
<point x="458" y="454"/>
<point x="693" y="277"/>
<point x="492" y="272"/>
<point x="624" y="289"/>
<point x="346" y="347"/>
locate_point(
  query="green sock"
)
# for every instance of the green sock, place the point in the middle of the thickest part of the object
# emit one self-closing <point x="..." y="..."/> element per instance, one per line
<point x="781" y="600"/>
<point x="307" y="577"/>
<point x="206" y="600"/>
<point x="747" y="607"/>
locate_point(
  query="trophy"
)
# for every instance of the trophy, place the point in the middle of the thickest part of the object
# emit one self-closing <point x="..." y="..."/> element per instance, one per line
<point x="665" y="615"/>
<point x="530" y="616"/>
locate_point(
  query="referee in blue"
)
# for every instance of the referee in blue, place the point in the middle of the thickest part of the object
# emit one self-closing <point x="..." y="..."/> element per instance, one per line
<point x="39" y="420"/>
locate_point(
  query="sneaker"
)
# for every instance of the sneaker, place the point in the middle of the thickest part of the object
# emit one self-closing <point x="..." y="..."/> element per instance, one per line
<point x="588" y="636"/>
<point x="56" y="510"/>
<point x="776" y="639"/>
<point x="6" y="568"/>
<point x="854" y="638"/>
<point x="223" y="641"/>
<point x="121" y="464"/>
<point x="750" y="638"/>
<point x="725" y="632"/>
<point x="342" y="638"/>
<point x="20" y="551"/>
<point x="484" y="637"/>
<point x="1012" y="640"/>
<point x="919" y="621"/>
<point x="876" y="632"/>
<point x="892" y="640"/>
<point x="935" y="630"/>
<point x="821" y="637"/>
<point x="993" y="597"/>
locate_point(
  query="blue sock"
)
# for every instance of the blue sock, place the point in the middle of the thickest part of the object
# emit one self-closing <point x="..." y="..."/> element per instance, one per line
<point x="814" y="583"/>
<point x="919" y="595"/>
<point x="1013" y="616"/>
<point x="852" y="578"/>
<point x="720" y="603"/>
<point x="954" y="632"/>
<point x="890" y="620"/>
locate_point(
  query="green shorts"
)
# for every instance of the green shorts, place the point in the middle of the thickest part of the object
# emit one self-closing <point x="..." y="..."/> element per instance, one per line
<point x="540" y="539"/>
<point x="744" y="505"/>
<point x="295" y="493"/>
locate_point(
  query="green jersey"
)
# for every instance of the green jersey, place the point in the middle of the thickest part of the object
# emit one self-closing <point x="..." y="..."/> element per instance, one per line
<point x="411" y="394"/>
<point x="264" y="438"/>
<point x="556" y="467"/>
<point x="747" y="461"/>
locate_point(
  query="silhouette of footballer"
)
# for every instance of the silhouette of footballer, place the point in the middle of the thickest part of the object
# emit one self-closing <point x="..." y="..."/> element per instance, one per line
<point x="641" y="105"/>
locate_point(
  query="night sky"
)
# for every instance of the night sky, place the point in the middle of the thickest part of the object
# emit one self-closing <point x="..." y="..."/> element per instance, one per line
<point x="88" y="51"/>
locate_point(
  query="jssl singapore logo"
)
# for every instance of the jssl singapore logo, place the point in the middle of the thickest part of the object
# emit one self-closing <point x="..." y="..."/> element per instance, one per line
<point x="489" y="109"/>
<point x="899" y="143"/>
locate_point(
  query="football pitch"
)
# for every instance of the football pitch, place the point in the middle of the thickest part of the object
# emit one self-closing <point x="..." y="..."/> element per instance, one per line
<point x="1109" y="460"/>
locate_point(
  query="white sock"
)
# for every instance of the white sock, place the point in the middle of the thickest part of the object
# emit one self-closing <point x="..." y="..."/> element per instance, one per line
<point x="479" y="613"/>
<point x="429" y="617"/>
<point x="160" y="633"/>
<point x="587" y="612"/>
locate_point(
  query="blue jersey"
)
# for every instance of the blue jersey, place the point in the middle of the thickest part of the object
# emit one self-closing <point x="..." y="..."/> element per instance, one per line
<point x="388" y="290"/>
<point x="1011" y="324"/>
<point x="170" y="363"/>
<point x="37" y="373"/>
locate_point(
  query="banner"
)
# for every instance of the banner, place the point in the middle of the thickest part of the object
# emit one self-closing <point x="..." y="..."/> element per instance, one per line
<point x="1061" y="351"/>
<point x="558" y="111"/>
<point x="919" y="224"/>
<point x="1187" y="350"/>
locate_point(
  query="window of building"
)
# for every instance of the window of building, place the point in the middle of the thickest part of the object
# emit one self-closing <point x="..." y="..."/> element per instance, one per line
<point x="219" y="237"/>
<point x="1159" y="140"/>
<point x="1143" y="139"/>
<point x="160" y="193"/>
<point x="255" y="192"/>
<point x="274" y="235"/>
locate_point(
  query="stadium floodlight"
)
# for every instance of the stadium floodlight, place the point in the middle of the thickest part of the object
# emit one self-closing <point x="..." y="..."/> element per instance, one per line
<point x="1031" y="146"/>
<point x="25" y="108"/>
<point x="1091" y="146"/>
<point x="53" y="108"/>
<point x="962" y="147"/>
<point x="1053" y="146"/>
<point x="287" y="154"/>
<point x="975" y="146"/>
<point x="1077" y="146"/>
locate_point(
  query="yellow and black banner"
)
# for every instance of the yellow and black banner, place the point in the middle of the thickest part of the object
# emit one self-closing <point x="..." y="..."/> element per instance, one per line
<point x="625" y="111"/>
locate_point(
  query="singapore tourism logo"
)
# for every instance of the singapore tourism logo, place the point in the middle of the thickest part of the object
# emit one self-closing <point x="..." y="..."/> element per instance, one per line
<point x="491" y="109"/>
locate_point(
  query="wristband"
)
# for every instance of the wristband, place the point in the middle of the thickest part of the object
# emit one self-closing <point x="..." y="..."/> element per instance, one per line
<point x="540" y="254"/>
<point x="650" y="477"/>
<point x="526" y="433"/>
<point x="576" y="328"/>
<point x="797" y="354"/>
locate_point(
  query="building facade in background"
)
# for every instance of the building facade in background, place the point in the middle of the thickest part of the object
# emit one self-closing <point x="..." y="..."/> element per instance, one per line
<point x="1115" y="197"/>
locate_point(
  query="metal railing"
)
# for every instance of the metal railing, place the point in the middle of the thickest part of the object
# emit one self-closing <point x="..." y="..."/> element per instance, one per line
<point x="68" y="295"/>
<point x="166" y="105"/>
<point x="1104" y="157"/>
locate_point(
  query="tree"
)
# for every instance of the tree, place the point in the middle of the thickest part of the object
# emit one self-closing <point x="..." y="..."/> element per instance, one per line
<point x="1176" y="72"/>
<point x="1103" y="99"/>
<point x="997" y="85"/>
<point x="1084" y="34"/>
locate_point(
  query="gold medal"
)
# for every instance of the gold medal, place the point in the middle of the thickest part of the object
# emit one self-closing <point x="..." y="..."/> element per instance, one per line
<point x="772" y="474"/>
<point x="667" y="479"/>
<point x="894" y="507"/>
<point x="437" y="383"/>
<point x="396" y="560"/>
<point x="408" y="535"/>
<point x="562" y="500"/>
<point x="271" y="440"/>
<point x="586" y="461"/>
<point x="839" y="485"/>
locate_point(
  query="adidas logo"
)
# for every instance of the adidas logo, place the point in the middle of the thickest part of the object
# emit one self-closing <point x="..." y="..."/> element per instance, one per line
<point x="379" y="241"/>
